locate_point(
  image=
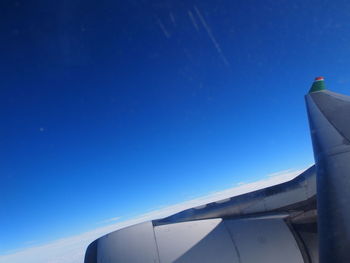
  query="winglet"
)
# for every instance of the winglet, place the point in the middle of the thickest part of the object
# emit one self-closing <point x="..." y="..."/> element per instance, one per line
<point x="318" y="85"/>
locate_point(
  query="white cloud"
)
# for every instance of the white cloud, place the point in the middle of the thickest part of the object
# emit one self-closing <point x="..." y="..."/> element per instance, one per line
<point x="113" y="219"/>
<point x="72" y="249"/>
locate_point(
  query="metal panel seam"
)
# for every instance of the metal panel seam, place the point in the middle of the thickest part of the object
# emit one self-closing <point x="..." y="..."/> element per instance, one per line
<point x="233" y="241"/>
<point x="330" y="121"/>
<point x="300" y="242"/>
<point x="155" y="240"/>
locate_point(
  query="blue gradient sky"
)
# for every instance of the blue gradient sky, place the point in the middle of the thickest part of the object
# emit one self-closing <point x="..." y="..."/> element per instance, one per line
<point x="114" y="108"/>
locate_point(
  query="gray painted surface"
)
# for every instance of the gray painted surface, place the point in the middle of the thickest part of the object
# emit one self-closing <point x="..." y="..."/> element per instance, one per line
<point x="300" y="189"/>
<point x="264" y="241"/>
<point x="294" y="195"/>
<point x="267" y="239"/>
<point x="310" y="181"/>
<point x="335" y="108"/>
<point x="91" y="253"/>
<point x="329" y="117"/>
<point x="204" y="241"/>
<point x="135" y="244"/>
<point x="311" y="241"/>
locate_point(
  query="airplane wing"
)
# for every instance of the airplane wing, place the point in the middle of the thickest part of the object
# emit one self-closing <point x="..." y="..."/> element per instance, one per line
<point x="289" y="222"/>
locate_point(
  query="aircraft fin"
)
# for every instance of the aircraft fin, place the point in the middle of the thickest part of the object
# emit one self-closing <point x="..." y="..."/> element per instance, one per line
<point x="329" y="119"/>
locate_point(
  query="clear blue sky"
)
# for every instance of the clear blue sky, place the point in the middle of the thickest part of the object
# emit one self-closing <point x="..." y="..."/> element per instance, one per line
<point x="115" y="108"/>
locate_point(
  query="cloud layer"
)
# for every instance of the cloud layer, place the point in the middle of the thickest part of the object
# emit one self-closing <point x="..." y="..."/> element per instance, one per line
<point x="72" y="249"/>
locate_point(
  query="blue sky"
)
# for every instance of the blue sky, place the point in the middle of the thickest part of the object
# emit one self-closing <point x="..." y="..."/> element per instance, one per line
<point x="113" y="108"/>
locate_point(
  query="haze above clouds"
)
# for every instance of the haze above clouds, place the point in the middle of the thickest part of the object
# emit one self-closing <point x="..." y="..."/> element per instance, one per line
<point x="72" y="249"/>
